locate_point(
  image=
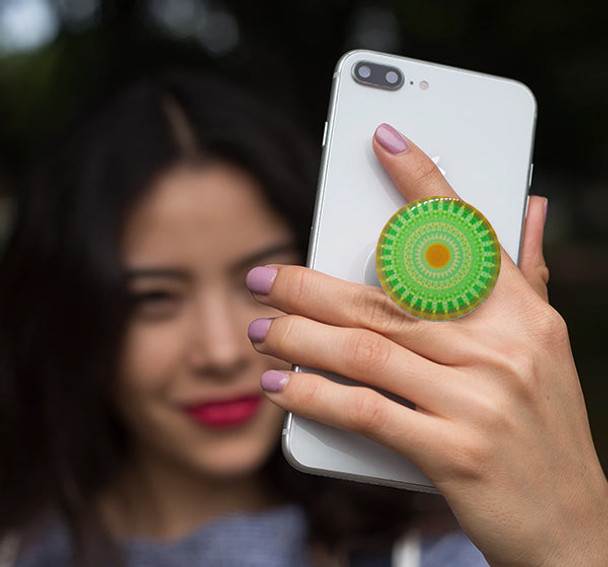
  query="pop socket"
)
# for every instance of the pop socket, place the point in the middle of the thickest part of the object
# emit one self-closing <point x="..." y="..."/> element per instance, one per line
<point x="438" y="258"/>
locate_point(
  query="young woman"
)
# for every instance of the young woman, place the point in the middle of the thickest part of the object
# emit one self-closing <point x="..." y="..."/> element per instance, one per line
<point x="134" y="430"/>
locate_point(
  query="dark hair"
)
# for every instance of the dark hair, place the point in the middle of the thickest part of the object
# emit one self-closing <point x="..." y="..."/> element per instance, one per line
<point x="63" y="306"/>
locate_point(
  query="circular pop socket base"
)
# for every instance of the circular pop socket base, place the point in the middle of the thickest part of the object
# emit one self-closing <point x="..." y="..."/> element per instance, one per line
<point x="438" y="258"/>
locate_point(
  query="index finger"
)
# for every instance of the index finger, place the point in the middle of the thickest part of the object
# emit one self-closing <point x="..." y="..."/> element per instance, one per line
<point x="413" y="172"/>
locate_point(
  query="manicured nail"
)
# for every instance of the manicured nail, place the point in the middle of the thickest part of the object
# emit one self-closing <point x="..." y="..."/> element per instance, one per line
<point x="391" y="140"/>
<point x="260" y="279"/>
<point x="258" y="329"/>
<point x="274" y="380"/>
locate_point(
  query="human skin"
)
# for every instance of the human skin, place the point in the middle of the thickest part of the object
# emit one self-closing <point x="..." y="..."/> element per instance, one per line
<point x="187" y="247"/>
<point x="500" y="425"/>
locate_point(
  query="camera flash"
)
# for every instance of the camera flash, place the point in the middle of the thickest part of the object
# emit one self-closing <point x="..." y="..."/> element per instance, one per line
<point x="424" y="85"/>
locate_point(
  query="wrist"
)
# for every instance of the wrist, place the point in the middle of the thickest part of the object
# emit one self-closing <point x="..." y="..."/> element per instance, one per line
<point x="584" y="531"/>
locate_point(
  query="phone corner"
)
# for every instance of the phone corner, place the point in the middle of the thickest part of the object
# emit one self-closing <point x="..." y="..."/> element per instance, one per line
<point x="346" y="57"/>
<point x="527" y="93"/>
<point x="343" y="60"/>
<point x="287" y="447"/>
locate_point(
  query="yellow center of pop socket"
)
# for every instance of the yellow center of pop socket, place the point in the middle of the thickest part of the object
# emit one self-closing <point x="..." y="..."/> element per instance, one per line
<point x="437" y="255"/>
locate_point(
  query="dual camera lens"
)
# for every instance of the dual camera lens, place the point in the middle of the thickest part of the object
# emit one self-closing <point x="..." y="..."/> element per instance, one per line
<point x="375" y="75"/>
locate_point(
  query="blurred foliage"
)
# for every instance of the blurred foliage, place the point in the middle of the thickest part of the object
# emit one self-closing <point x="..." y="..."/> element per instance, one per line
<point x="287" y="50"/>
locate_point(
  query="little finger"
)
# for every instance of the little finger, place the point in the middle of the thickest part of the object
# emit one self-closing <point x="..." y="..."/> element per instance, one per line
<point x="357" y="409"/>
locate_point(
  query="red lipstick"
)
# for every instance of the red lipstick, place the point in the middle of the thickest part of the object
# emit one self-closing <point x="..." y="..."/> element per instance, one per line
<point x="226" y="413"/>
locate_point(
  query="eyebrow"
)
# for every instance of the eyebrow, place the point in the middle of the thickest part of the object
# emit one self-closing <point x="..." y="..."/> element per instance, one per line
<point x="180" y="274"/>
<point x="174" y="273"/>
<point x="261" y="255"/>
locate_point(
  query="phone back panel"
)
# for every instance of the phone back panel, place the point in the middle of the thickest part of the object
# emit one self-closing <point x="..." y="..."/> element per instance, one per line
<point x="479" y="129"/>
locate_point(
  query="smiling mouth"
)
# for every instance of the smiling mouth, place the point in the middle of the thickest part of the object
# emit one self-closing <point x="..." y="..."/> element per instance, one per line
<point x="228" y="413"/>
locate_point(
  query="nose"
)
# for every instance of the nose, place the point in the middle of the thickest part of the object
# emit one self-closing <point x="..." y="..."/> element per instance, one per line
<point x="218" y="347"/>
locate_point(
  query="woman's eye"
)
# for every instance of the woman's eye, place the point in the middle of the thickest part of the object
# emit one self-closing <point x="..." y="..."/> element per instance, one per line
<point x="155" y="304"/>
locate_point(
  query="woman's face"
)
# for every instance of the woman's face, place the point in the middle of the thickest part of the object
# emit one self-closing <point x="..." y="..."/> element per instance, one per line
<point x="189" y="385"/>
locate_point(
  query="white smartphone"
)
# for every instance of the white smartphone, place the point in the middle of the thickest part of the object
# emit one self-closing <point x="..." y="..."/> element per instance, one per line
<point x="479" y="130"/>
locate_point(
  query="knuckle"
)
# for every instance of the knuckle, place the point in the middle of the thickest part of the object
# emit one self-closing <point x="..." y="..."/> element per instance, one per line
<point x="471" y="456"/>
<point x="518" y="366"/>
<point x="492" y="413"/>
<point x="299" y="286"/>
<point x="515" y="363"/>
<point x="425" y="172"/>
<point x="553" y="325"/>
<point x="376" y="311"/>
<point x="281" y="335"/>
<point x="543" y="324"/>
<point x="368" y="351"/>
<point x="548" y="325"/>
<point x="364" y="413"/>
<point x="307" y="396"/>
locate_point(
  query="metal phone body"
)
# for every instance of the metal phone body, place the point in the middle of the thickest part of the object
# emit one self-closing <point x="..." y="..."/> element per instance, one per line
<point x="479" y="129"/>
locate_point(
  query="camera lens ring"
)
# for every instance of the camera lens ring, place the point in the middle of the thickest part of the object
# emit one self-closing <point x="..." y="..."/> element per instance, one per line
<point x="364" y="71"/>
<point x="392" y="77"/>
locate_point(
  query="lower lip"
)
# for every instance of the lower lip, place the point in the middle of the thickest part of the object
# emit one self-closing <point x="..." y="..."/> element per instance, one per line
<point x="225" y="414"/>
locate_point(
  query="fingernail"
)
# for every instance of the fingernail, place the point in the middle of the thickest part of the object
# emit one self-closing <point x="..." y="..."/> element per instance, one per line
<point x="258" y="329"/>
<point x="391" y="140"/>
<point x="546" y="209"/>
<point x="274" y="380"/>
<point x="260" y="279"/>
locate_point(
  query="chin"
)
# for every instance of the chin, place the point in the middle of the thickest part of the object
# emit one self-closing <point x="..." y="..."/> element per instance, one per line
<point x="235" y="462"/>
<point x="220" y="453"/>
<point x="232" y="455"/>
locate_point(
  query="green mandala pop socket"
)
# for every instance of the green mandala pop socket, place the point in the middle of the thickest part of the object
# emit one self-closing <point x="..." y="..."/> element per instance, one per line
<point x="438" y="258"/>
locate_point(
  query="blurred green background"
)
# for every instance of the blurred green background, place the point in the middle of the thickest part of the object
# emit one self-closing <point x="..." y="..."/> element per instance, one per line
<point x="57" y="57"/>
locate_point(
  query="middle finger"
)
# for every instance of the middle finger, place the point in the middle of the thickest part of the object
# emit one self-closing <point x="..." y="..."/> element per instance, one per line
<point x="336" y="302"/>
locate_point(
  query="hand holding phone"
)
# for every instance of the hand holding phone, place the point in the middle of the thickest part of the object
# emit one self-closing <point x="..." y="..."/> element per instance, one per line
<point x="499" y="426"/>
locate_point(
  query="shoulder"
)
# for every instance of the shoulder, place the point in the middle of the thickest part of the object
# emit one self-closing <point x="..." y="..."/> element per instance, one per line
<point x="270" y="539"/>
<point x="273" y="538"/>
<point x="47" y="546"/>
<point x="453" y="549"/>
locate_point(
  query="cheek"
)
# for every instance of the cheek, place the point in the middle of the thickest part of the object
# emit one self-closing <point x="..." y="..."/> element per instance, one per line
<point x="149" y="352"/>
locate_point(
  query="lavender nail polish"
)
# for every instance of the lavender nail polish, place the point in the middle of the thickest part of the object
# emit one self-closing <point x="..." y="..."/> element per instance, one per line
<point x="390" y="139"/>
<point x="258" y="329"/>
<point x="274" y="380"/>
<point x="260" y="279"/>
